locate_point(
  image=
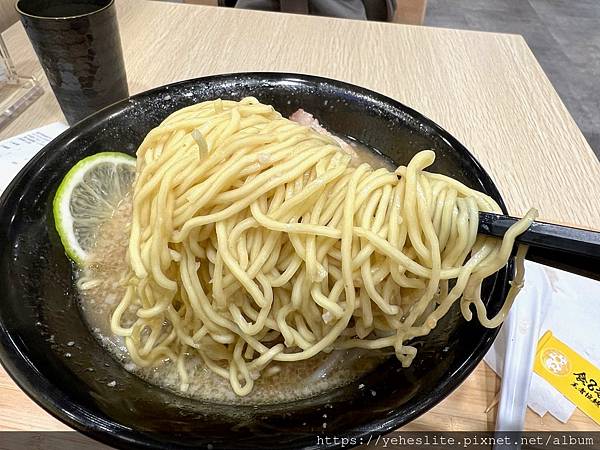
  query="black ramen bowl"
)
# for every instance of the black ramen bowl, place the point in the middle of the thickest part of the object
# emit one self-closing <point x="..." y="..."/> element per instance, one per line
<point x="39" y="312"/>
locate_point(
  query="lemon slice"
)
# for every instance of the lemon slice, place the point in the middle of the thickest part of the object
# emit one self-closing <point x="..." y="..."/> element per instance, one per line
<point x="87" y="197"/>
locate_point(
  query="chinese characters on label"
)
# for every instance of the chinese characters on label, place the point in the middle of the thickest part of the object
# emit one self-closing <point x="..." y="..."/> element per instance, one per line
<point x="587" y="387"/>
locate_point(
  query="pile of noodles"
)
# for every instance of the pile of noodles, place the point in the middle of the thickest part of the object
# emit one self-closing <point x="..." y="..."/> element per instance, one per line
<point x="255" y="239"/>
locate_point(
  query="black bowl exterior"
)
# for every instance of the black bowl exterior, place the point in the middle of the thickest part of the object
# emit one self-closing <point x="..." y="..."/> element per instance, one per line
<point x="39" y="312"/>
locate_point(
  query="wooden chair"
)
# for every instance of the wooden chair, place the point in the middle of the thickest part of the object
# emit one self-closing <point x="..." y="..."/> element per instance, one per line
<point x="203" y="2"/>
<point x="410" y="12"/>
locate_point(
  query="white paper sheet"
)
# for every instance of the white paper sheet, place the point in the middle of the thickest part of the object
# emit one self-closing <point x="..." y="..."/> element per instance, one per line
<point x="572" y="309"/>
<point x="15" y="152"/>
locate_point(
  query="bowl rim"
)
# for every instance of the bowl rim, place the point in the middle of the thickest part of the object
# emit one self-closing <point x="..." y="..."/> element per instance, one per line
<point x="23" y="372"/>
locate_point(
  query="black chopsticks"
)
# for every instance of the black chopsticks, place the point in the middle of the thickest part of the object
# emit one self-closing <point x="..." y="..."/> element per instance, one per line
<point x="572" y="249"/>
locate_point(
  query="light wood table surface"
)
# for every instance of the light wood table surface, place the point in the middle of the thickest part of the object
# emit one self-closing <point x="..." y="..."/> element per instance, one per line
<point x="486" y="89"/>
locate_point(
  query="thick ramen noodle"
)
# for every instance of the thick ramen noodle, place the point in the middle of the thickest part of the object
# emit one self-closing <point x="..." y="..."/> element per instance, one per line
<point x="258" y="247"/>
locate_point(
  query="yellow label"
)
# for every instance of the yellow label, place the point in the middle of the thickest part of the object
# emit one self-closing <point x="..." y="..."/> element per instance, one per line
<point x="574" y="376"/>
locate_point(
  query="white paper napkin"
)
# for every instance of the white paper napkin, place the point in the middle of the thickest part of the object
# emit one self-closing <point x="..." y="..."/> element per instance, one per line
<point x="572" y="313"/>
<point x="15" y="152"/>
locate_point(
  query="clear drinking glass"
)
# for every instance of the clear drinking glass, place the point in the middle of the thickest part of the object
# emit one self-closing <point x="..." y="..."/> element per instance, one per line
<point x="16" y="92"/>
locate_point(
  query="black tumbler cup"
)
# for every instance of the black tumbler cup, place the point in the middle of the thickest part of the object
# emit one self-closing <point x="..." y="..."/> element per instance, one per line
<point x="78" y="45"/>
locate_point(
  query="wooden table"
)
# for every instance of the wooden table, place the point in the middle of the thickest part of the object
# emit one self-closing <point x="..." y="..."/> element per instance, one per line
<point x="486" y="89"/>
